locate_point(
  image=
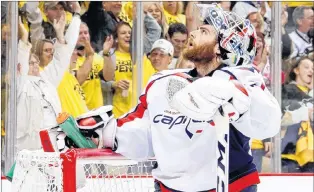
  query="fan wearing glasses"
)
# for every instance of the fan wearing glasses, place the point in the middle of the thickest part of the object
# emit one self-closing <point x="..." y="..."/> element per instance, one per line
<point x="38" y="102"/>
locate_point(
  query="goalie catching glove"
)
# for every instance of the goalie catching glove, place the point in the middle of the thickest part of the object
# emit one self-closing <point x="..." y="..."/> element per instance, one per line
<point x="99" y="123"/>
<point x="201" y="99"/>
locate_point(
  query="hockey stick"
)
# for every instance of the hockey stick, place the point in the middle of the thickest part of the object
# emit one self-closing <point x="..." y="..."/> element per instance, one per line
<point x="222" y="151"/>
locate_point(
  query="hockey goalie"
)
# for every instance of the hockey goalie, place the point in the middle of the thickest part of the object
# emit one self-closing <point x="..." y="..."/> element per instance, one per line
<point x="179" y="114"/>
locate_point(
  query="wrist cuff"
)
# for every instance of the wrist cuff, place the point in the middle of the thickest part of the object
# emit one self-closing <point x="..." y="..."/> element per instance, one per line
<point x="109" y="134"/>
<point x="76" y="14"/>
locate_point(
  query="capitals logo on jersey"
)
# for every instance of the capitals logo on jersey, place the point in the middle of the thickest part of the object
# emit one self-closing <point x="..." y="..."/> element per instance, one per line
<point x="191" y="126"/>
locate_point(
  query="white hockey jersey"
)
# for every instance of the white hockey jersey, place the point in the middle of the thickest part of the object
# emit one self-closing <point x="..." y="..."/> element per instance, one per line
<point x="184" y="148"/>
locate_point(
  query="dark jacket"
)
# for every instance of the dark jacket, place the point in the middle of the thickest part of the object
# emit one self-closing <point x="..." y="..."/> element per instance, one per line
<point x="292" y="97"/>
<point x="101" y="23"/>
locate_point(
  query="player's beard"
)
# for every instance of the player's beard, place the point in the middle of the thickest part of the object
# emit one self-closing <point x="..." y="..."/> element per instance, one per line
<point x="202" y="54"/>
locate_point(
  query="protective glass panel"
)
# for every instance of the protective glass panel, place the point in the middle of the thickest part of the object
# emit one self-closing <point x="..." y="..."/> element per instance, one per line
<point x="8" y="83"/>
<point x="297" y="88"/>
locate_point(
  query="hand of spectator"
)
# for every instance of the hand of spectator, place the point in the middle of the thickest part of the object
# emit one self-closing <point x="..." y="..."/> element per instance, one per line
<point x="89" y="51"/>
<point x="284" y="18"/>
<point x="59" y="27"/>
<point x="23" y="34"/>
<point x="76" y="8"/>
<point x="31" y="6"/>
<point x="122" y="84"/>
<point x="263" y="9"/>
<point x="108" y="44"/>
<point x="268" y="149"/>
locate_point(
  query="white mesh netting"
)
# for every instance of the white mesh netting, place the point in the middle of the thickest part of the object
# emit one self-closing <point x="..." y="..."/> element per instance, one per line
<point x="37" y="171"/>
<point x="41" y="171"/>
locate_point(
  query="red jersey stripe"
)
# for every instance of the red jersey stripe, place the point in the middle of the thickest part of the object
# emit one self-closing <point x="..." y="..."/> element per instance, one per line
<point x="142" y="106"/>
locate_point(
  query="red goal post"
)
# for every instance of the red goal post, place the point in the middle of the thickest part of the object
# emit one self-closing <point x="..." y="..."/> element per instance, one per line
<point x="80" y="170"/>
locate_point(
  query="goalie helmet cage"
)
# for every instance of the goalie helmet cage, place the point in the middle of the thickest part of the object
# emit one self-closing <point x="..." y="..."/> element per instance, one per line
<point x="80" y="170"/>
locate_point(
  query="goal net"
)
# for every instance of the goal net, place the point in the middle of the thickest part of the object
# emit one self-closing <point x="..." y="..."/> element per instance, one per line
<point x="81" y="170"/>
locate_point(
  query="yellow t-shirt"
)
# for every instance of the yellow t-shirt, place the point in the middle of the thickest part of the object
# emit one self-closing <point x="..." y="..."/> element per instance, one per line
<point x="92" y="85"/>
<point x="148" y="70"/>
<point x="123" y="71"/>
<point x="296" y="3"/>
<point x="179" y="18"/>
<point x="304" y="145"/>
<point x="41" y="6"/>
<point x="126" y="12"/>
<point x="71" y="95"/>
<point x="304" y="89"/>
<point x="84" y="6"/>
<point x="257" y="144"/>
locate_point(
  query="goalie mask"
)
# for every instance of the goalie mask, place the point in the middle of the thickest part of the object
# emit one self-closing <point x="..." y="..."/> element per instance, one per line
<point x="236" y="36"/>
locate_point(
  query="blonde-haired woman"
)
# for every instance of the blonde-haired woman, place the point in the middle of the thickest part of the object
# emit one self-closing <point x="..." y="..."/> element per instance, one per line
<point x="173" y="12"/>
<point x="44" y="49"/>
<point x="156" y="10"/>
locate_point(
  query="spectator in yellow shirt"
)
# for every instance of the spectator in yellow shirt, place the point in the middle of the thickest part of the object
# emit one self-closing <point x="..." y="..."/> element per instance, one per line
<point x="41" y="22"/>
<point x="70" y="92"/>
<point x="122" y="98"/>
<point x="61" y="5"/>
<point x="123" y="85"/>
<point x="173" y="12"/>
<point x="90" y="66"/>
